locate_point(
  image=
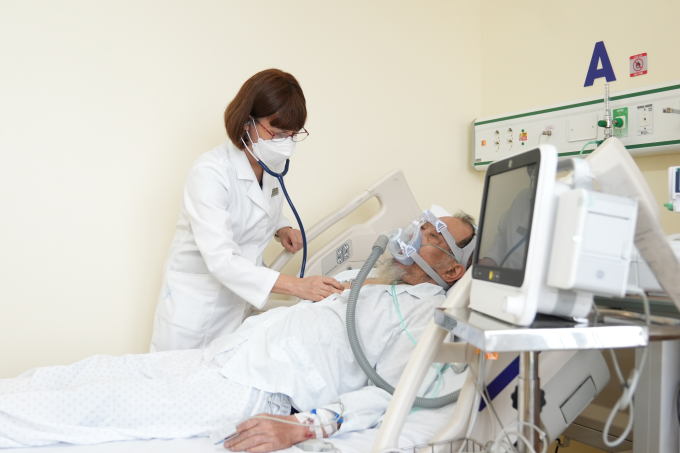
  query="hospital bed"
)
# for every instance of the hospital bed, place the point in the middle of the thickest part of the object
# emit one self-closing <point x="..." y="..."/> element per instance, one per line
<point x="349" y="249"/>
<point x="397" y="206"/>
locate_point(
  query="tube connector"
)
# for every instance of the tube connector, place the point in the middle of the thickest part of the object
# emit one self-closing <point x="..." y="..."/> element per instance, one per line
<point x="616" y="123"/>
<point x="381" y="242"/>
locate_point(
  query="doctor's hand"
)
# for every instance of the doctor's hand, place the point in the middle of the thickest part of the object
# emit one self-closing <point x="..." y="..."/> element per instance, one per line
<point x="317" y="288"/>
<point x="290" y="239"/>
<point x="261" y="435"/>
<point x="314" y="288"/>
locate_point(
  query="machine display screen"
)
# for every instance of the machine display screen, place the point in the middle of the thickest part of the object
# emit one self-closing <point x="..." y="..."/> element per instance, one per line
<point x="505" y="223"/>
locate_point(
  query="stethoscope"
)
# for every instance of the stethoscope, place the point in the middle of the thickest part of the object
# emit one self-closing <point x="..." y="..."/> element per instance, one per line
<point x="280" y="176"/>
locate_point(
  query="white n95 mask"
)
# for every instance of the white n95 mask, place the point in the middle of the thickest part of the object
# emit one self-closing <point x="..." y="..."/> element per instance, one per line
<point x="269" y="152"/>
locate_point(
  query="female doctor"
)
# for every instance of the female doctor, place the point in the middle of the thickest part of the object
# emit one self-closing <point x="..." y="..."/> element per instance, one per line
<point x="230" y="210"/>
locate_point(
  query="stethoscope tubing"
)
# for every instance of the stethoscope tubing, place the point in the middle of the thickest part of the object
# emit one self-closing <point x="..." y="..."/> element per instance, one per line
<point x="280" y="176"/>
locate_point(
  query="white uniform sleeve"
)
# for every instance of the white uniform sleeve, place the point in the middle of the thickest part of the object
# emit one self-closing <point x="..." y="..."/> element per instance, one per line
<point x="206" y="198"/>
<point x="283" y="222"/>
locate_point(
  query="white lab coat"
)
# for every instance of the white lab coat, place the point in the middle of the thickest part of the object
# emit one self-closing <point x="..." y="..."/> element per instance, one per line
<point x="215" y="267"/>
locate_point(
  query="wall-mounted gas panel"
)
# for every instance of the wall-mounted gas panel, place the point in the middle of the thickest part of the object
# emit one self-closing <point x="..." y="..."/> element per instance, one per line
<point x="649" y="119"/>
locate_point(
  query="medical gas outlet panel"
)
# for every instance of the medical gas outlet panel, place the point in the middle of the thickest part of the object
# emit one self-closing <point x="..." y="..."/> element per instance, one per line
<point x="647" y="122"/>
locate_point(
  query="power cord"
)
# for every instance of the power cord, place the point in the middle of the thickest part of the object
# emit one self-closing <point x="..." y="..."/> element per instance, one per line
<point x="629" y="386"/>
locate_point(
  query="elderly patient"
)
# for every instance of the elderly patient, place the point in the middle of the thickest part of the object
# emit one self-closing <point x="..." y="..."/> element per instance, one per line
<point x="287" y="359"/>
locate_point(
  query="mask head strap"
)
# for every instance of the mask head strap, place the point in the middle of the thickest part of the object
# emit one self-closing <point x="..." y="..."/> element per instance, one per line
<point x="428" y="270"/>
<point x="462" y="255"/>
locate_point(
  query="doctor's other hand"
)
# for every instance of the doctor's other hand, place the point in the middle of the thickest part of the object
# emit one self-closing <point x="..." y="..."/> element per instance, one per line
<point x="262" y="435"/>
<point x="291" y="239"/>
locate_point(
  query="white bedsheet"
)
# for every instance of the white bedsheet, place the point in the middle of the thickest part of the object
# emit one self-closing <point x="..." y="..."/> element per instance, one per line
<point x="420" y="426"/>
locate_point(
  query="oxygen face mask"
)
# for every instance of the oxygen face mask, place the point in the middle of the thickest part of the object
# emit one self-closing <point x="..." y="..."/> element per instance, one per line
<point x="405" y="243"/>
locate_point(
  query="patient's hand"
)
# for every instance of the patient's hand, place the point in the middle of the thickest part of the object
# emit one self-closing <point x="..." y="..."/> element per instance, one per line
<point x="260" y="435"/>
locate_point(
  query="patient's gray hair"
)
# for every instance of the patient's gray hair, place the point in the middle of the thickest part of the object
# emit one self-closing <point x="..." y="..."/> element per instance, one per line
<point x="467" y="218"/>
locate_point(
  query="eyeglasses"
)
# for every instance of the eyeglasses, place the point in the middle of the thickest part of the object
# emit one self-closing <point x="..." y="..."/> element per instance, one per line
<point x="281" y="136"/>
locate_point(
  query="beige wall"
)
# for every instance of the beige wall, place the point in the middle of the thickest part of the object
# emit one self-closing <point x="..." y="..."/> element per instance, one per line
<point x="537" y="53"/>
<point x="104" y="106"/>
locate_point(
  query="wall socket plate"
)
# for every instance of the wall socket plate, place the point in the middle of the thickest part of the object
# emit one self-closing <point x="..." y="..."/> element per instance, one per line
<point x="651" y="125"/>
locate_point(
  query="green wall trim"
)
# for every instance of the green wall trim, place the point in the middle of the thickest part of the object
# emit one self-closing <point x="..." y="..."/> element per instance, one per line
<point x="575" y="153"/>
<point x="648" y="145"/>
<point x="581" y="104"/>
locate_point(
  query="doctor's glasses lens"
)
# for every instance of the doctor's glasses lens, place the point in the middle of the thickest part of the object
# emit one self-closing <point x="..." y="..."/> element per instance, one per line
<point x="281" y="136"/>
<point x="303" y="134"/>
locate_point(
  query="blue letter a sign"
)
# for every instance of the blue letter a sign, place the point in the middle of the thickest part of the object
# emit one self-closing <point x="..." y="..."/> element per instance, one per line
<point x="599" y="54"/>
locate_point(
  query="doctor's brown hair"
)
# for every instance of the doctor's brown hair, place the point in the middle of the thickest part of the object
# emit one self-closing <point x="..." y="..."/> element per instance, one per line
<point x="270" y="93"/>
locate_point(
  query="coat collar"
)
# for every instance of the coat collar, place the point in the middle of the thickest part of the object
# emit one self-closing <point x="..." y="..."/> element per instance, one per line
<point x="259" y="196"/>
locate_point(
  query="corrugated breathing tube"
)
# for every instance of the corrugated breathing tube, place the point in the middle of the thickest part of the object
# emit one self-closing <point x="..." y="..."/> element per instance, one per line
<point x="425" y="403"/>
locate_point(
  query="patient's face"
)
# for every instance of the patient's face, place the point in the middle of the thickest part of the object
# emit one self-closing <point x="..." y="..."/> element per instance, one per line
<point x="432" y="255"/>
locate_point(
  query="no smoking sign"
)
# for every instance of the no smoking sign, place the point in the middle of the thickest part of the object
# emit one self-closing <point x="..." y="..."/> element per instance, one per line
<point x="638" y="65"/>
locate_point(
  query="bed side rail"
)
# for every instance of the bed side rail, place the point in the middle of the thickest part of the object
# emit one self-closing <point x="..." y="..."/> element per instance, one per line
<point x="397" y="207"/>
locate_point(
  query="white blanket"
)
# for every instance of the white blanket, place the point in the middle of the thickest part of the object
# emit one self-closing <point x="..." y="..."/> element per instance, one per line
<point x="165" y="395"/>
<point x="420" y="427"/>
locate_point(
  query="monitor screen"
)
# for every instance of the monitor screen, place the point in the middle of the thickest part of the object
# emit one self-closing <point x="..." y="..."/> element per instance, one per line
<point x="505" y="221"/>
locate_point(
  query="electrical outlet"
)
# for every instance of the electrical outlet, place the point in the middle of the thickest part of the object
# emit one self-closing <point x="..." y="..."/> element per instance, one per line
<point x="509" y="138"/>
<point x="645" y="119"/>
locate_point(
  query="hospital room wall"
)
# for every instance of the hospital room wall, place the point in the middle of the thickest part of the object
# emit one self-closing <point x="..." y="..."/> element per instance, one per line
<point x="537" y="53"/>
<point x="105" y="105"/>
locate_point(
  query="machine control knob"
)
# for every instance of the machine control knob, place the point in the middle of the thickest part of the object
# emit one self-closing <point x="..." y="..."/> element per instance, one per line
<point x="515" y="394"/>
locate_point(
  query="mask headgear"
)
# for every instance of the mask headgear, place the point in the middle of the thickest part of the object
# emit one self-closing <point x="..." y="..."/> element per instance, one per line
<point x="404" y="244"/>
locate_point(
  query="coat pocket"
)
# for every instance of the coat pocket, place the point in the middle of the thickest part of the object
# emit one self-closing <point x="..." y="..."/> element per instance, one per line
<point x="191" y="299"/>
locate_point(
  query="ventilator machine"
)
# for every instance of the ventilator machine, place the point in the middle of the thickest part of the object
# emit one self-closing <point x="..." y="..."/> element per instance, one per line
<point x="546" y="247"/>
